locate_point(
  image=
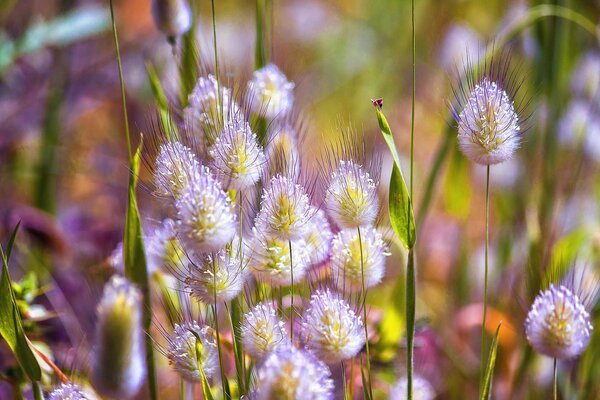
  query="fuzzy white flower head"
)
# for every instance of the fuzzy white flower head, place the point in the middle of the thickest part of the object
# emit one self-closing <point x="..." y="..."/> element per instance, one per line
<point x="237" y="157"/>
<point x="351" y="198"/>
<point x="319" y="237"/>
<point x="422" y="389"/>
<point x="162" y="246"/>
<point x="172" y="17"/>
<point x="119" y="365"/>
<point x="331" y="328"/>
<point x="214" y="277"/>
<point x="205" y="215"/>
<point x="270" y="261"/>
<point x="176" y="165"/>
<point x="263" y="331"/>
<point x="558" y="325"/>
<point x="189" y="346"/>
<point x="488" y="125"/>
<point x="271" y="92"/>
<point x="346" y="258"/>
<point x="285" y="209"/>
<point x="68" y="391"/>
<point x="292" y="374"/>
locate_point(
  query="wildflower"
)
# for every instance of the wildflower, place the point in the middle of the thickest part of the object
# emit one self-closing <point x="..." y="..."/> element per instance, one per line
<point x="172" y="17"/>
<point x="319" y="237"/>
<point x="331" y="328"/>
<point x="191" y="347"/>
<point x="285" y="209"/>
<point x="176" y="165"/>
<point x="237" y="156"/>
<point x="270" y="260"/>
<point x="558" y="325"/>
<point x="205" y="215"/>
<point x="351" y="198"/>
<point x="68" y="391"/>
<point x="422" y="389"/>
<point x="346" y="259"/>
<point x="214" y="277"/>
<point x="263" y="331"/>
<point x="162" y="246"/>
<point x="292" y="374"/>
<point x="118" y="361"/>
<point x="271" y="92"/>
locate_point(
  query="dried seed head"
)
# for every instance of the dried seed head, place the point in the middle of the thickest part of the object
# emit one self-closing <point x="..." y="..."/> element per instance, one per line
<point x="346" y="258"/>
<point x="162" y="246"/>
<point x="237" y="157"/>
<point x="319" y="237"/>
<point x="351" y="198"/>
<point x="190" y="346"/>
<point x="205" y="215"/>
<point x="176" y="165"/>
<point x="558" y="325"/>
<point x="292" y="374"/>
<point x="119" y="364"/>
<point x="214" y="277"/>
<point x="271" y="92"/>
<point x="331" y="328"/>
<point x="68" y="391"/>
<point x="422" y="389"/>
<point x="263" y="331"/>
<point x="172" y="17"/>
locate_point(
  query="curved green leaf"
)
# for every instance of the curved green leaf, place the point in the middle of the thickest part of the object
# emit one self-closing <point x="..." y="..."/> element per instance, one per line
<point x="486" y="390"/>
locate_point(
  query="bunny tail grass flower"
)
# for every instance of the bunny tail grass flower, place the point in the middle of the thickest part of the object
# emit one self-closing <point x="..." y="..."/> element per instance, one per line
<point x="271" y="92"/>
<point x="285" y="211"/>
<point x="172" y="17"/>
<point x="176" y="165"/>
<point x="162" y="246"/>
<point x="118" y="367"/>
<point x="282" y="153"/>
<point x="68" y="391"/>
<point x="205" y="215"/>
<point x="331" y="328"/>
<point x="292" y="374"/>
<point x="422" y="389"/>
<point x="558" y="324"/>
<point x="346" y="259"/>
<point x="263" y="331"/>
<point x="237" y="157"/>
<point x="319" y="238"/>
<point x="190" y="346"/>
<point x="351" y="198"/>
<point x="214" y="277"/>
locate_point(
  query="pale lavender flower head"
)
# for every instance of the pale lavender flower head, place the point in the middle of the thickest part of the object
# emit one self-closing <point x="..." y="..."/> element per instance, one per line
<point x="263" y="331"/>
<point x="237" y="157"/>
<point x="271" y="92"/>
<point x="422" y="389"/>
<point x="119" y="366"/>
<point x="190" y="346"/>
<point x="585" y="81"/>
<point x="319" y="238"/>
<point x="292" y="374"/>
<point x="558" y="324"/>
<point x="162" y="246"/>
<point x="172" y="17"/>
<point x="285" y="210"/>
<point x="214" y="277"/>
<point x="331" y="328"/>
<point x="176" y="165"/>
<point x="346" y="259"/>
<point x="351" y="197"/>
<point x="205" y="215"/>
<point x="68" y="391"/>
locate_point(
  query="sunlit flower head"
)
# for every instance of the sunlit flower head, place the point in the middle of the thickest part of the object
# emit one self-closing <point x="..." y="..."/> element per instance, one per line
<point x="331" y="328"/>
<point x="214" y="277"/>
<point x="558" y="325"/>
<point x="263" y="331"/>
<point x="319" y="237"/>
<point x="162" y="246"/>
<point x="205" y="215"/>
<point x="422" y="389"/>
<point x="237" y="157"/>
<point x="292" y="374"/>
<point x="346" y="259"/>
<point x="68" y="391"/>
<point x="190" y="346"/>
<point x="271" y="92"/>
<point x="351" y="197"/>
<point x="172" y="17"/>
<point x="176" y="165"/>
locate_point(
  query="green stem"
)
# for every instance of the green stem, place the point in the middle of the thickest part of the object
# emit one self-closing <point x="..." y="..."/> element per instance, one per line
<point x="292" y="294"/>
<point x="217" y="74"/>
<point x="364" y="307"/>
<point x="555" y="381"/>
<point x="37" y="391"/>
<point x="485" y="277"/>
<point x="410" y="320"/>
<point x="221" y="366"/>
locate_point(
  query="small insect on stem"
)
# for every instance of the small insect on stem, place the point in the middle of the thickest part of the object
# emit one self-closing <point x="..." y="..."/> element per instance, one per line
<point x="378" y="103"/>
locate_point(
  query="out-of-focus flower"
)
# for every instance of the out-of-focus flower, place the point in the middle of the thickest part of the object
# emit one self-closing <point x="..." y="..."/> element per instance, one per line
<point x="422" y="389"/>
<point x="190" y="346"/>
<point x="271" y="92"/>
<point x="162" y="247"/>
<point x="586" y="77"/>
<point x="283" y="156"/>
<point x="331" y="328"/>
<point x="119" y="367"/>
<point x="176" y="165"/>
<point x="263" y="331"/>
<point x="214" y="277"/>
<point x="319" y="238"/>
<point x="460" y="44"/>
<point x="172" y="17"/>
<point x="292" y="374"/>
<point x="68" y="391"/>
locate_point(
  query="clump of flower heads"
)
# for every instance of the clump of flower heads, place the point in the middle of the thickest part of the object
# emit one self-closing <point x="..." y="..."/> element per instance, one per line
<point x="214" y="277"/>
<point x="190" y="346"/>
<point x="331" y="328"/>
<point x="271" y="92"/>
<point x="422" y="389"/>
<point x="263" y="331"/>
<point x="558" y="324"/>
<point x="68" y="391"/>
<point x="292" y="374"/>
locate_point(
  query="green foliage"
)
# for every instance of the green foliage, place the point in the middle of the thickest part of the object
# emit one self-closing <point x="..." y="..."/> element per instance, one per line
<point x="486" y="390"/>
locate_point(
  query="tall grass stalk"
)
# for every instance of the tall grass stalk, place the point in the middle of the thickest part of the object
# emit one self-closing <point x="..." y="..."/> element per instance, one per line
<point x="217" y="74"/>
<point x="485" y="274"/>
<point x="291" y="294"/>
<point x="364" y="307"/>
<point x="555" y="381"/>
<point x="219" y="350"/>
